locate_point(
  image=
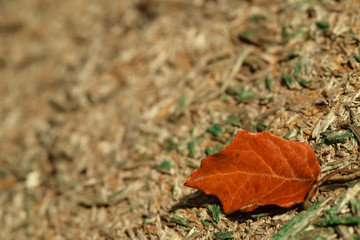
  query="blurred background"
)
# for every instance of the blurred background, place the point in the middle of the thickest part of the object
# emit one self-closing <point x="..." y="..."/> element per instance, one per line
<point x="107" y="106"/>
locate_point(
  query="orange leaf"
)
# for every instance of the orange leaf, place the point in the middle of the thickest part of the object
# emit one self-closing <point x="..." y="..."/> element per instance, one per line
<point x="257" y="169"/>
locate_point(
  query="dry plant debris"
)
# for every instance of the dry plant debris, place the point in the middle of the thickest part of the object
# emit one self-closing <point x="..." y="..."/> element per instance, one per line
<point x="107" y="106"/>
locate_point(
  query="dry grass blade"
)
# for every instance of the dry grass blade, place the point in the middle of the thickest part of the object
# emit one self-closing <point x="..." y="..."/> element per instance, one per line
<point x="235" y="69"/>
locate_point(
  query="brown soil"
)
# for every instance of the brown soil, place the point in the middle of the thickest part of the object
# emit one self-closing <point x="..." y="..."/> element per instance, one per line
<point x="105" y="108"/>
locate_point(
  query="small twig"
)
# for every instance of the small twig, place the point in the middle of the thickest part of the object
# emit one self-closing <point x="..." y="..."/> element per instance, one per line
<point x="355" y="174"/>
<point x="329" y="178"/>
<point x="315" y="187"/>
<point x="235" y="69"/>
<point x="351" y="112"/>
<point x="252" y="231"/>
<point x="355" y="129"/>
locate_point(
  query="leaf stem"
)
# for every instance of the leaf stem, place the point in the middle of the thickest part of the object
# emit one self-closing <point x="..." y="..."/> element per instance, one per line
<point x="355" y="173"/>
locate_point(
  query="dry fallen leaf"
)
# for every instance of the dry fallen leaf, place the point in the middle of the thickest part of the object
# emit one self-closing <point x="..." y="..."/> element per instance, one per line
<point x="257" y="169"/>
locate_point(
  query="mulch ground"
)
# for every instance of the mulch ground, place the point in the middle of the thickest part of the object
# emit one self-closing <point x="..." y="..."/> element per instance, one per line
<point x="106" y="106"/>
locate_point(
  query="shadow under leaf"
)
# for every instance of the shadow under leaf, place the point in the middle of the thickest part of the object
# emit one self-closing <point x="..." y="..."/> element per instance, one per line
<point x="262" y="211"/>
<point x="196" y="199"/>
<point x="200" y="199"/>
